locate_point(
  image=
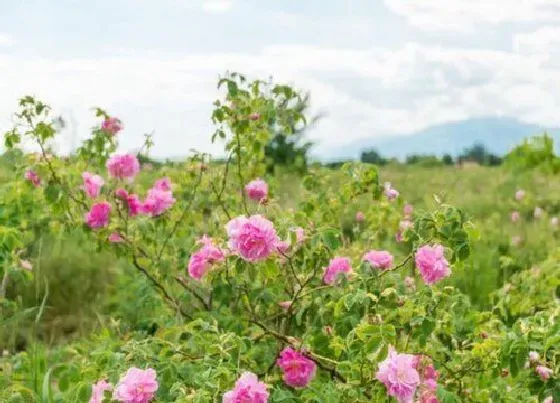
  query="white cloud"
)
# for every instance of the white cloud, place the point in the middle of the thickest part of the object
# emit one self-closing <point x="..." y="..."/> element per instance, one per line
<point x="217" y="6"/>
<point x="545" y="40"/>
<point x="365" y="93"/>
<point x="466" y="14"/>
<point x="6" y="40"/>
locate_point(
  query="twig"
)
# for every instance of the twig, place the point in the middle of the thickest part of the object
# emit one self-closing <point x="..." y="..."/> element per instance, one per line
<point x="183" y="282"/>
<point x="165" y="294"/>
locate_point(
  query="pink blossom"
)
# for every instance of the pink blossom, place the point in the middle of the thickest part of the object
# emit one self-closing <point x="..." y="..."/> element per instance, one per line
<point x="298" y="369"/>
<point x="125" y="166"/>
<point x="432" y="264"/>
<point x="92" y="184"/>
<point x="337" y="266"/>
<point x="98" y="215"/>
<point x="360" y="216"/>
<point x="254" y="238"/>
<point x="403" y="226"/>
<point x="98" y="390"/>
<point x="380" y="259"/>
<point x="257" y="190"/>
<point x="111" y="126"/>
<point x="32" y="177"/>
<point x="163" y="184"/>
<point x="408" y="210"/>
<point x="115" y="237"/>
<point x="202" y="260"/>
<point x="285" y="304"/>
<point x="549" y="399"/>
<point x="157" y="202"/>
<point x="121" y="193"/>
<point x="399" y="375"/>
<point x="533" y="356"/>
<point x="538" y="212"/>
<point x="300" y="235"/>
<point x="247" y="389"/>
<point x="409" y="283"/>
<point x="26" y="265"/>
<point x="515" y="216"/>
<point x="254" y="116"/>
<point x="282" y="246"/>
<point x="134" y="205"/>
<point x="544" y="372"/>
<point x="391" y="193"/>
<point x="519" y="195"/>
<point x="137" y="386"/>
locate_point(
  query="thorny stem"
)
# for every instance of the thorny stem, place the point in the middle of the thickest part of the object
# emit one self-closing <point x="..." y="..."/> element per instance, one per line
<point x="240" y="175"/>
<point x="184" y="283"/>
<point x="162" y="290"/>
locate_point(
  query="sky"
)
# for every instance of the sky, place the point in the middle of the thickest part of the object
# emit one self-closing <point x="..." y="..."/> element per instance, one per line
<point x="374" y="68"/>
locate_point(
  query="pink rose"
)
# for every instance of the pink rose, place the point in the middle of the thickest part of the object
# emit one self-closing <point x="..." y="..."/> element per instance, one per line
<point x="202" y="260"/>
<point x="254" y="238"/>
<point x="125" y="166"/>
<point x="137" y="386"/>
<point x="31" y="176"/>
<point x="337" y="266"/>
<point x="115" y="237"/>
<point x="360" y="217"/>
<point x="111" y="126"/>
<point x="391" y="193"/>
<point x="408" y="210"/>
<point x="380" y="259"/>
<point x="297" y="368"/>
<point x="533" y="356"/>
<point x="159" y="199"/>
<point x="544" y="372"/>
<point x="163" y="184"/>
<point x="92" y="184"/>
<point x="257" y="190"/>
<point x="399" y="375"/>
<point x="515" y="216"/>
<point x="432" y="264"/>
<point x="285" y="304"/>
<point x="300" y="235"/>
<point x="403" y="226"/>
<point x="98" y="215"/>
<point x="519" y="195"/>
<point x="98" y="390"/>
<point x="134" y="205"/>
<point x="121" y="194"/>
<point x="247" y="389"/>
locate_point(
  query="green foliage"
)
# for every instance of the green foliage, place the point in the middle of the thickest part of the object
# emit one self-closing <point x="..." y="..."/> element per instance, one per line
<point x="535" y="153"/>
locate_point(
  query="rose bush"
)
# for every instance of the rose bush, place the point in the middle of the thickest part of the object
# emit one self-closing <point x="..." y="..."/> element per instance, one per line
<point x="264" y="303"/>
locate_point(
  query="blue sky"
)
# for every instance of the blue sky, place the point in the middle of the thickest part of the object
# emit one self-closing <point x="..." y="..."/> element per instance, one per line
<point x="375" y="68"/>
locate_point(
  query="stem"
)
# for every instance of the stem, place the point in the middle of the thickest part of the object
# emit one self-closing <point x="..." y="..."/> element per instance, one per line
<point x="184" y="283"/>
<point x="240" y="175"/>
<point x="164" y="293"/>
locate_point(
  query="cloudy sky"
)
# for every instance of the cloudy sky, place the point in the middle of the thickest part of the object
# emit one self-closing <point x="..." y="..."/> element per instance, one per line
<point x="374" y="67"/>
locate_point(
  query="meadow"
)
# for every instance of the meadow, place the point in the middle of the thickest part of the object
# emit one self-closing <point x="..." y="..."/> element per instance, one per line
<point x="350" y="284"/>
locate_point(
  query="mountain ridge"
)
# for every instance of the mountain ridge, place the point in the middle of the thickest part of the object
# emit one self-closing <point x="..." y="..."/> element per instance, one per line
<point x="497" y="134"/>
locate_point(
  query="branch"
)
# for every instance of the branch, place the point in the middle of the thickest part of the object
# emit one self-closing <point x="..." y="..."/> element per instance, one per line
<point x="183" y="282"/>
<point x="165" y="294"/>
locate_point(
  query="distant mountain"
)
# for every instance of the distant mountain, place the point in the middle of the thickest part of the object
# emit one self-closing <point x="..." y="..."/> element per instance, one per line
<point x="499" y="135"/>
